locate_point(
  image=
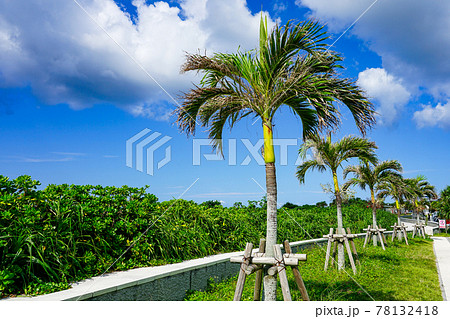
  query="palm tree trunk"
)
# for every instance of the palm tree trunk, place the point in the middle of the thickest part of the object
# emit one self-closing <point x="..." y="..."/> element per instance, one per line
<point x="398" y="218"/>
<point x="270" y="282"/>
<point x="397" y="209"/>
<point x="416" y="210"/>
<point x="341" y="253"/>
<point x="374" y="216"/>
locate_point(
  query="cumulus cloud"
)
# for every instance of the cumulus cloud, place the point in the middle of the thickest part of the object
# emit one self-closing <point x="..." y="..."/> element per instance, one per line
<point x="411" y="37"/>
<point x="58" y="50"/>
<point x="387" y="90"/>
<point x="434" y="116"/>
<point x="338" y="14"/>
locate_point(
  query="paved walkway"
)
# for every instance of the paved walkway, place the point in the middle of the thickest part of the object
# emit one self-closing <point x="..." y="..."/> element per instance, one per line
<point x="442" y="252"/>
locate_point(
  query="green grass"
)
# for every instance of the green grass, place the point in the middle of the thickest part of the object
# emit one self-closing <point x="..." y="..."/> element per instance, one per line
<point x="442" y="235"/>
<point x="401" y="273"/>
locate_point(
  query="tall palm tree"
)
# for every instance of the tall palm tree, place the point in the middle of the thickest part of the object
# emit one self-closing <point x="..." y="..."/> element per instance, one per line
<point x="328" y="155"/>
<point x="420" y="190"/>
<point x="291" y="67"/>
<point x="370" y="176"/>
<point x="395" y="187"/>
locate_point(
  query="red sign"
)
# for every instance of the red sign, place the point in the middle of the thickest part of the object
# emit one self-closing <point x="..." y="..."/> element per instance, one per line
<point x="442" y="223"/>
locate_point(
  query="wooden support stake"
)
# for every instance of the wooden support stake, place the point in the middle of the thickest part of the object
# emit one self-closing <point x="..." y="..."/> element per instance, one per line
<point x="327" y="257"/>
<point x="354" y="248"/>
<point x="301" y="257"/>
<point x="379" y="236"/>
<point x="349" y="252"/>
<point x="384" y="238"/>
<point x="259" y="273"/>
<point x="272" y="261"/>
<point x="395" y="230"/>
<point x="406" y="236"/>
<point x="403" y="232"/>
<point x="272" y="271"/>
<point x="422" y="227"/>
<point x="333" y="256"/>
<point x="368" y="235"/>
<point x="297" y="276"/>
<point x="250" y="269"/>
<point x="241" y="279"/>
<point x="282" y="273"/>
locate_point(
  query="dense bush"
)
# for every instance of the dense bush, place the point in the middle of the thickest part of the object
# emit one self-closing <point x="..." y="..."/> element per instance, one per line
<point x="64" y="233"/>
<point x="443" y="204"/>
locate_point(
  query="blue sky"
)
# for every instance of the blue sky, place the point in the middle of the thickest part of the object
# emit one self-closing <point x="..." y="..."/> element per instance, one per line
<point x="79" y="78"/>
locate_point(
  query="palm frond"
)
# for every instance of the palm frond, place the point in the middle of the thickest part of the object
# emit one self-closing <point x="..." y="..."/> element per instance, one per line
<point x="347" y="92"/>
<point x="303" y="168"/>
<point x="286" y="42"/>
<point x="292" y="67"/>
<point x="354" y="182"/>
<point x="351" y="146"/>
<point x="307" y="116"/>
<point x="197" y="102"/>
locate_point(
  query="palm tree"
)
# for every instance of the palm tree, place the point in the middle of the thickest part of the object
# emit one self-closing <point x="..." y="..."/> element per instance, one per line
<point x="420" y="190"/>
<point x="396" y="187"/>
<point x="291" y="67"/>
<point x="332" y="155"/>
<point x="367" y="175"/>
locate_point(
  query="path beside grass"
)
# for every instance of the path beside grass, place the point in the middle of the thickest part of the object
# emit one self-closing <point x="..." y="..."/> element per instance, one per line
<point x="442" y="251"/>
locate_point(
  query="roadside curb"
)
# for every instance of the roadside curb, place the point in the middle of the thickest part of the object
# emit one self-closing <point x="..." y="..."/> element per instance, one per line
<point x="439" y="258"/>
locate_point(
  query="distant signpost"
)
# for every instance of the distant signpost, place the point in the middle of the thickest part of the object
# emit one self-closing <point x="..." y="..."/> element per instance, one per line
<point x="442" y="224"/>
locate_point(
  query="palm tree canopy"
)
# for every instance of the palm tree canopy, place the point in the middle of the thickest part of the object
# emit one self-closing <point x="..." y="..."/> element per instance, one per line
<point x="331" y="155"/>
<point x="420" y="188"/>
<point x="292" y="67"/>
<point x="367" y="175"/>
<point x="394" y="186"/>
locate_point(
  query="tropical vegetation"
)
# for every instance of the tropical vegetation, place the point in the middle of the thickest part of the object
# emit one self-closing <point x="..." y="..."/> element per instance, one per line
<point x="442" y="205"/>
<point x="65" y="233"/>
<point x="328" y="155"/>
<point x="395" y="187"/>
<point x="421" y="192"/>
<point x="370" y="176"/>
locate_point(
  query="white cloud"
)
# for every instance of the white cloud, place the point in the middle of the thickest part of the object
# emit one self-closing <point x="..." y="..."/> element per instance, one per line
<point x="279" y="6"/>
<point x="338" y="14"/>
<point x="387" y="90"/>
<point x="411" y="37"/>
<point x="57" y="50"/>
<point x="434" y="116"/>
<point x="69" y="153"/>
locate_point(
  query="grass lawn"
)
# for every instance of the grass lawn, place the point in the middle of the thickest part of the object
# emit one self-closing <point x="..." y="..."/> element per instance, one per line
<point x="442" y="235"/>
<point x="401" y="273"/>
